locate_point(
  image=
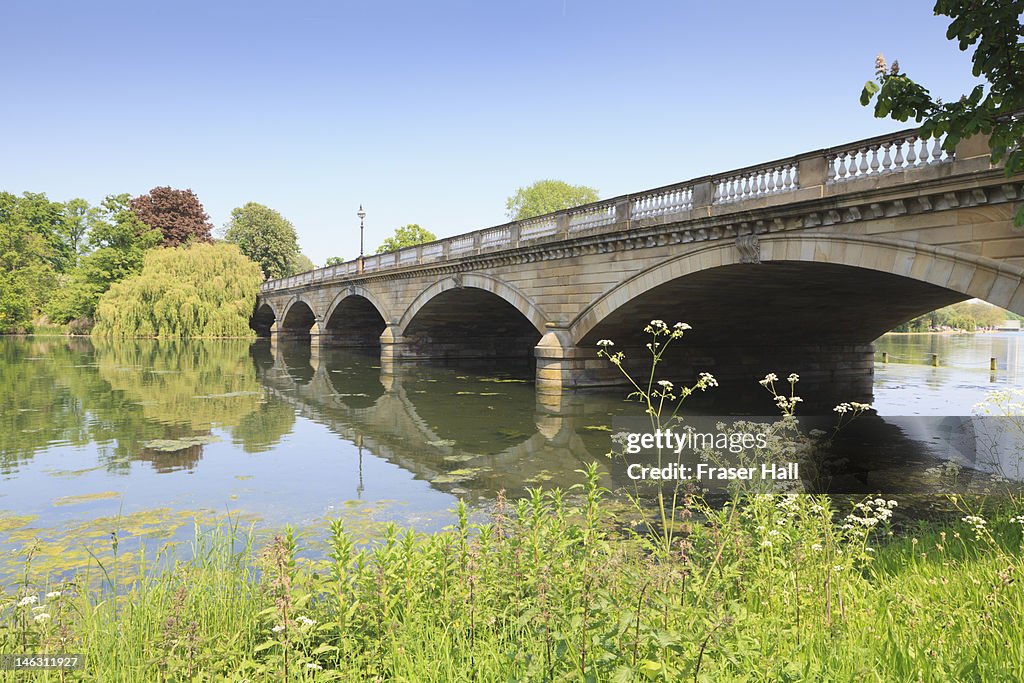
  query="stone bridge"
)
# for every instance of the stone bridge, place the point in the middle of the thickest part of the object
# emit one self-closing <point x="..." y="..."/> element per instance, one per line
<point x="797" y="265"/>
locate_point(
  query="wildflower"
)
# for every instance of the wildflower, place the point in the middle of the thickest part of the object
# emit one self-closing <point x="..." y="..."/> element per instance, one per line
<point x="278" y="628"/>
<point x="605" y="343"/>
<point x="1019" y="519"/>
<point x="665" y="384"/>
<point x="707" y="380"/>
<point x="842" y="408"/>
<point x="793" y="378"/>
<point x="837" y="568"/>
<point x="314" y="666"/>
<point x="766" y="544"/>
<point x="816" y="547"/>
<point x="304" y="621"/>
<point x="768" y="379"/>
<point x="658" y="324"/>
<point x="28" y="600"/>
<point x="682" y="326"/>
<point x="53" y="595"/>
<point x="41" y="617"/>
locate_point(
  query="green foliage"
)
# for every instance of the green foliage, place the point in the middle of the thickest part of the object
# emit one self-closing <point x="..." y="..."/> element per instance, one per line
<point x="30" y="254"/>
<point x="994" y="30"/>
<point x="334" y="261"/>
<point x="966" y="315"/>
<point x="266" y="237"/>
<point x="406" y="236"/>
<point x="789" y="587"/>
<point x="546" y="196"/>
<point x="301" y="264"/>
<point x="119" y="241"/>
<point x="204" y="290"/>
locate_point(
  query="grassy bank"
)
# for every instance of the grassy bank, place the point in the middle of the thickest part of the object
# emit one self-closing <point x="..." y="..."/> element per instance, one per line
<point x="770" y="588"/>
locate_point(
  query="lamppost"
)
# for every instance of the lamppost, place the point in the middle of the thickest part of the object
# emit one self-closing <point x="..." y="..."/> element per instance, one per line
<point x="362" y="215"/>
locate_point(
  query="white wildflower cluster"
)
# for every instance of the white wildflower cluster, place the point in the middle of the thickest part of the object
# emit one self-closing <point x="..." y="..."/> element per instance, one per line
<point x="605" y="343"/>
<point x="787" y="404"/>
<point x="706" y="381"/>
<point x="977" y="525"/>
<point x="869" y="514"/>
<point x="768" y="379"/>
<point x="53" y="595"/>
<point x="678" y="329"/>
<point x="314" y="666"/>
<point x="665" y="384"/>
<point x="28" y="600"/>
<point x="793" y="378"/>
<point x="852" y="407"/>
<point x="657" y="327"/>
<point x="1019" y="519"/>
<point x="305" y="622"/>
<point x="1008" y="402"/>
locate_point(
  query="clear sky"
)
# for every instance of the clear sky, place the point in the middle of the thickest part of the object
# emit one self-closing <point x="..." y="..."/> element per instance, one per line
<point x="434" y="112"/>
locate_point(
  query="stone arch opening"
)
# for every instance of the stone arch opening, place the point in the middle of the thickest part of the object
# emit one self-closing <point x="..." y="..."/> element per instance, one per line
<point x="464" y="323"/>
<point x="813" y="306"/>
<point x="298" y="321"/>
<point x="354" y="322"/>
<point x="263" y="320"/>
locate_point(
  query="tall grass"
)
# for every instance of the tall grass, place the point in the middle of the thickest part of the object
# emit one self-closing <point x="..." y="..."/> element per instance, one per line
<point x="767" y="588"/>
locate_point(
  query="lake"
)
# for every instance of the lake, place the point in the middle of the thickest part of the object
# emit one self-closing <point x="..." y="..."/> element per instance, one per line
<point x="141" y="437"/>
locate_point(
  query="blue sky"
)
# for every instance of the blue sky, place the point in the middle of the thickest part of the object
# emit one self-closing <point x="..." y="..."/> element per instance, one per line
<point x="434" y="113"/>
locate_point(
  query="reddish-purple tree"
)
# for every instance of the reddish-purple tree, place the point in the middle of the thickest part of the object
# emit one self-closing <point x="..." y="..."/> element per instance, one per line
<point x="176" y="213"/>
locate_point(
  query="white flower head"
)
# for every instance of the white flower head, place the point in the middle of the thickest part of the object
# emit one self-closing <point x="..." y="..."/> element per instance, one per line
<point x="41" y="617"/>
<point x="28" y="600"/>
<point x="793" y="378"/>
<point x="665" y="384"/>
<point x="682" y="326"/>
<point x="53" y="595"/>
<point x="604" y="343"/>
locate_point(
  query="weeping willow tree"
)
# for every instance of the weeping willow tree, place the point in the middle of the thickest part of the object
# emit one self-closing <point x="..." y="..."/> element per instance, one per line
<point x="203" y="290"/>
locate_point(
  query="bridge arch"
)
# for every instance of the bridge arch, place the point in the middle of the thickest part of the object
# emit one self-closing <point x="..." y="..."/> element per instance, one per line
<point x="471" y="315"/>
<point x="813" y="305"/>
<point x="487" y="283"/>
<point x="297" y="318"/>
<point x="264" y="318"/>
<point x="966" y="275"/>
<point x="356" y="317"/>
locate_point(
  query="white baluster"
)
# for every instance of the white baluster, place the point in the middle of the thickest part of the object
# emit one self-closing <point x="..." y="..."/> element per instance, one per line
<point x="864" y="161"/>
<point x="886" y="159"/>
<point x="830" y="176"/>
<point x="911" y="152"/>
<point x="937" y="151"/>
<point x="898" y="160"/>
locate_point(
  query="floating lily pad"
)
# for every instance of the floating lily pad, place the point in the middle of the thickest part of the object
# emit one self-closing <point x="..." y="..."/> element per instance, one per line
<point x="174" y="445"/>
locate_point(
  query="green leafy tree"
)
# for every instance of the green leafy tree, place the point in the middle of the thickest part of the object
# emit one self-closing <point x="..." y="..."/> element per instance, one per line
<point x="993" y="29"/>
<point x="29" y="257"/>
<point x="545" y="196"/>
<point x="176" y="213"/>
<point x="301" y="264"/>
<point x="77" y="218"/>
<point x="334" y="261"/>
<point x="119" y="241"/>
<point x="203" y="290"/>
<point x="406" y="236"/>
<point x="266" y="237"/>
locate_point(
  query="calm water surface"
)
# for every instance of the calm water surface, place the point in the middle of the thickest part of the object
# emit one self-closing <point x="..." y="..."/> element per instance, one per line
<point x="141" y="436"/>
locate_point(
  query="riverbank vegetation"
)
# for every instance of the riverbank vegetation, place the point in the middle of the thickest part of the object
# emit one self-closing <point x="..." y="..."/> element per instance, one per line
<point x="968" y="316"/>
<point x="766" y="588"/>
<point x="59" y="259"/>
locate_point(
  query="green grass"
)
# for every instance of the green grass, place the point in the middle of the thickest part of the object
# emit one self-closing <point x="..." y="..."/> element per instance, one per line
<point x="769" y="588"/>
